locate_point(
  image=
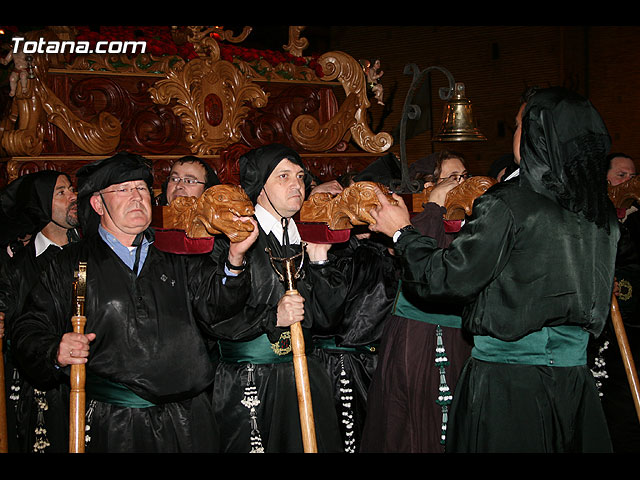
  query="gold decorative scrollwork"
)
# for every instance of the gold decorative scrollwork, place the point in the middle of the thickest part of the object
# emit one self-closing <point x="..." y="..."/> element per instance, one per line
<point x="22" y="134"/>
<point x="339" y="65"/>
<point x="192" y="85"/>
<point x="98" y="136"/>
<point x="121" y="63"/>
<point x="312" y="136"/>
<point x="296" y="44"/>
<point x="205" y="45"/>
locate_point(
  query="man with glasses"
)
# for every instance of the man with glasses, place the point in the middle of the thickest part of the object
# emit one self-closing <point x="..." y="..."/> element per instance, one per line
<point x="189" y="177"/>
<point x="148" y="369"/>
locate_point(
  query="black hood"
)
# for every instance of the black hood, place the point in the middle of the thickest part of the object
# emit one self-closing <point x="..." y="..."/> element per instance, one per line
<point x="563" y="152"/>
<point x="25" y="204"/>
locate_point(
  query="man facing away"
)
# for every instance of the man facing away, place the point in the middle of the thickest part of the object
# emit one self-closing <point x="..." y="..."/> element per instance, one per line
<point x="534" y="265"/>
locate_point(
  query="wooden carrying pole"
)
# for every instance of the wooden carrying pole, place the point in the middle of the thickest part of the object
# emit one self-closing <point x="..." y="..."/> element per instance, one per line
<point x="625" y="351"/>
<point x="301" y="373"/>
<point x="77" y="398"/>
<point x="4" y="435"/>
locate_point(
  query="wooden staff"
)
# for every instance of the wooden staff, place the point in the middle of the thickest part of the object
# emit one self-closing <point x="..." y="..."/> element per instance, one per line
<point x="78" y="374"/>
<point x="301" y="373"/>
<point x="625" y="351"/>
<point x="623" y="196"/>
<point x="300" y="370"/>
<point x="4" y="435"/>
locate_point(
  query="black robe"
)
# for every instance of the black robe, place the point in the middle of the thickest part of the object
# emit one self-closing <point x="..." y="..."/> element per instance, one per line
<point x="349" y="350"/>
<point x="29" y="407"/>
<point x="254" y="392"/>
<point x="407" y="412"/>
<point x="149" y="371"/>
<point x="519" y="264"/>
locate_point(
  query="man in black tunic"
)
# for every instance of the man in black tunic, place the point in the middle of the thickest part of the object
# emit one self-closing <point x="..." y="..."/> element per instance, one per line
<point x="255" y="394"/>
<point x="148" y="370"/>
<point x="534" y="266"/>
<point x="40" y="206"/>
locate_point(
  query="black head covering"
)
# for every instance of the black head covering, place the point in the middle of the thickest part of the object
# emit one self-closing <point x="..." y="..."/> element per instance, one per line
<point x="506" y="161"/>
<point x="563" y="152"/>
<point x="381" y="170"/>
<point x="122" y="167"/>
<point x="25" y="204"/>
<point x="257" y="164"/>
<point x="424" y="166"/>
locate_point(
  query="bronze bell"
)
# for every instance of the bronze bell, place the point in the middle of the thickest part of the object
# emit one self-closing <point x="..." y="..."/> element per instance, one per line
<point x="457" y="120"/>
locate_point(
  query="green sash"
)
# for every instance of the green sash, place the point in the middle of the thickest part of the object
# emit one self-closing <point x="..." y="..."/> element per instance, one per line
<point x="330" y="344"/>
<point x="404" y="308"/>
<point x="106" y="391"/>
<point x="563" y="346"/>
<point x="257" y="351"/>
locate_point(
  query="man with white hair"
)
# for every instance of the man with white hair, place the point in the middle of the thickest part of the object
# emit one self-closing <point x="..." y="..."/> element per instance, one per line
<point x="148" y="371"/>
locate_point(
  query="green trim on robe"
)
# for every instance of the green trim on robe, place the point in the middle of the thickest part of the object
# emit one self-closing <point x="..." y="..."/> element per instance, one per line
<point x="562" y="346"/>
<point x="256" y="351"/>
<point x="404" y="308"/>
<point x="106" y="391"/>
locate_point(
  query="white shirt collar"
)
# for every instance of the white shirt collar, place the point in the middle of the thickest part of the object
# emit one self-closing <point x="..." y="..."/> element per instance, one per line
<point x="41" y="243"/>
<point x="513" y="175"/>
<point x="269" y="224"/>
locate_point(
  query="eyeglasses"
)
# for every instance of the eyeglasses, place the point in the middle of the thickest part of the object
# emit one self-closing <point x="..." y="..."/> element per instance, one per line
<point x="185" y="180"/>
<point x="123" y="192"/>
<point x="457" y="177"/>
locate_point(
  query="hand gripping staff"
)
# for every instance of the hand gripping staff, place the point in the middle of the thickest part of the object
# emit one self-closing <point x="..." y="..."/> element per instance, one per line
<point x="307" y="424"/>
<point x="78" y="374"/>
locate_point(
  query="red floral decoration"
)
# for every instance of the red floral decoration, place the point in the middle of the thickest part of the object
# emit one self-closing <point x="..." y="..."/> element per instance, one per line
<point x="274" y="58"/>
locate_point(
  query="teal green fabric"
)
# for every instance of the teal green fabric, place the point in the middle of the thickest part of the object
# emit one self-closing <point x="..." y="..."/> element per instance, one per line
<point x="520" y="263"/>
<point x="330" y="344"/>
<point x="106" y="391"/>
<point x="256" y="351"/>
<point x="404" y="308"/>
<point x="563" y="346"/>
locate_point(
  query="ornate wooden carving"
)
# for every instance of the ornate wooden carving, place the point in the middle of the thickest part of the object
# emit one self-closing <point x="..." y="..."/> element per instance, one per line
<point x="122" y="63"/>
<point x="312" y="136"/>
<point x="22" y="134"/>
<point x="347" y="209"/>
<point x="213" y="98"/>
<point x="273" y="122"/>
<point x="625" y="194"/>
<point x="214" y="212"/>
<point x="296" y="44"/>
<point x="459" y="200"/>
<point x="97" y="136"/>
<point x="78" y="110"/>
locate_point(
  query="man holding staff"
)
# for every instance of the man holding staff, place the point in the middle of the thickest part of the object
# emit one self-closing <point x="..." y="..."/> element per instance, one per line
<point x="534" y="265"/>
<point x="148" y="372"/>
<point x="40" y="206"/>
<point x="255" y="388"/>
